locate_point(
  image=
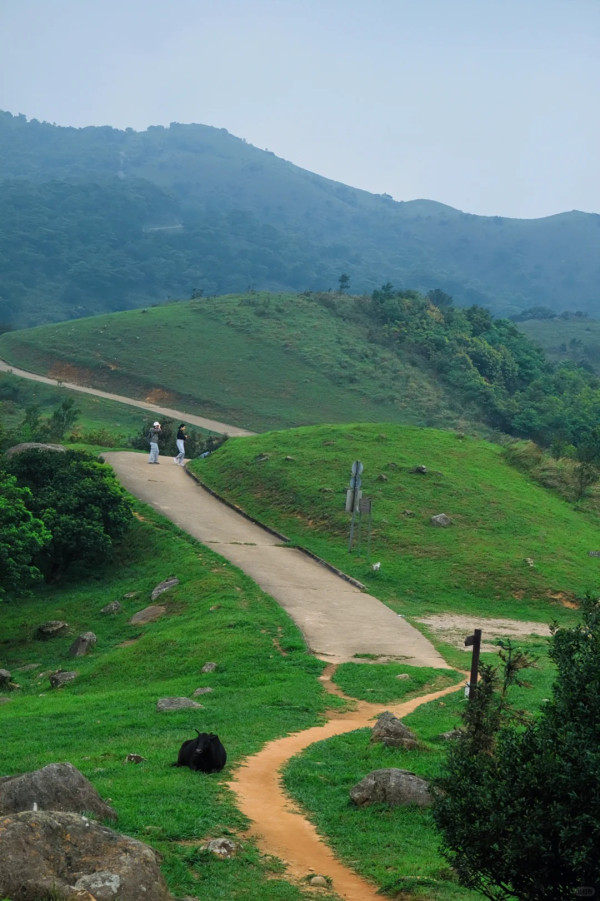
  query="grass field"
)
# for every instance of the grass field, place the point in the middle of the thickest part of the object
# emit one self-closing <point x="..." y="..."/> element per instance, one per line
<point x="257" y="361"/>
<point x="297" y="480"/>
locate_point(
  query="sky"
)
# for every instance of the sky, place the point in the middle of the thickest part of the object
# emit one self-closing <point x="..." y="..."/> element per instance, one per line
<point x="489" y="106"/>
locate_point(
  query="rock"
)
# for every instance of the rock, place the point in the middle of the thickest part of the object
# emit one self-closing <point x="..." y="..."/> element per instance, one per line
<point x="147" y="615"/>
<point x="57" y="786"/>
<point x="202" y="691"/>
<point x="208" y="668"/>
<point x="82" y="645"/>
<point x="114" y="607"/>
<point x="408" y="513"/>
<point x="382" y="477"/>
<point x="420" y="469"/>
<point x="6" y="682"/>
<point x="163" y="586"/>
<point x="391" y="731"/>
<point x="5" y="700"/>
<point x="51" y="629"/>
<point x="403" y="677"/>
<point x="441" y="520"/>
<point x="318" y="881"/>
<point x="391" y="786"/>
<point x="61" y="677"/>
<point x="452" y="735"/>
<point x="222" y="847"/>
<point x="134" y="758"/>
<point x="55" y="854"/>
<point x="163" y="705"/>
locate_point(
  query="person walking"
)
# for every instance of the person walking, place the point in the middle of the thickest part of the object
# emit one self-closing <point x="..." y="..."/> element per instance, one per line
<point x="153" y="439"/>
<point x="181" y="439"/>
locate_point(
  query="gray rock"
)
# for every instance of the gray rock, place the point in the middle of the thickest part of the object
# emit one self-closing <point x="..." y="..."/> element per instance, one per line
<point x="441" y="520"/>
<point x="114" y="607"/>
<point x="54" y="854"/>
<point x="61" y="677"/>
<point x="208" y="668"/>
<point x="83" y="644"/>
<point x="147" y="615"/>
<point x="222" y="847"/>
<point x="57" y="786"/>
<point x="163" y="586"/>
<point x="202" y="691"/>
<point x="51" y="629"/>
<point x="391" y="786"/>
<point x="6" y="682"/>
<point x="163" y="705"/>
<point x="392" y="732"/>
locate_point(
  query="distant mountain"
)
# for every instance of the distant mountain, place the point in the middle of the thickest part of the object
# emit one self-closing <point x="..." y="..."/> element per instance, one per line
<point x="96" y="219"/>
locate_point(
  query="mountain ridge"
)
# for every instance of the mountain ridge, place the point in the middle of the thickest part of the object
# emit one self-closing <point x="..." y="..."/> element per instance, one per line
<point x="77" y="206"/>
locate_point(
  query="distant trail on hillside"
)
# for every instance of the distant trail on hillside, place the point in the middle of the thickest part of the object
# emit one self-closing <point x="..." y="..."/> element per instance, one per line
<point x="211" y="424"/>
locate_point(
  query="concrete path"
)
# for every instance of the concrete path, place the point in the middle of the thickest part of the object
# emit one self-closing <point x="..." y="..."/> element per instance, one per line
<point x="337" y="619"/>
<point x="211" y="424"/>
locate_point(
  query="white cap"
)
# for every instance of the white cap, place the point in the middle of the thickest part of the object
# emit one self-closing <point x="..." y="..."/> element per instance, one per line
<point x="157" y="425"/>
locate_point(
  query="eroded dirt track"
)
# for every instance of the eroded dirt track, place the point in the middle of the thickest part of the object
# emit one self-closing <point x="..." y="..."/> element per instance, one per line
<point x="278" y="826"/>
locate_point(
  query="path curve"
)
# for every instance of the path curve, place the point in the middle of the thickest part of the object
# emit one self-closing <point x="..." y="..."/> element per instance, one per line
<point x="337" y="619"/>
<point x="278" y="826"/>
<point x="211" y="424"/>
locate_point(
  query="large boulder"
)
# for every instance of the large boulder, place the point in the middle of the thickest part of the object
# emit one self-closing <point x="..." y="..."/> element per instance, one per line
<point x="83" y="644"/>
<point x="391" y="731"/>
<point x="58" y="786"/>
<point x="391" y="786"/>
<point x="55" y="855"/>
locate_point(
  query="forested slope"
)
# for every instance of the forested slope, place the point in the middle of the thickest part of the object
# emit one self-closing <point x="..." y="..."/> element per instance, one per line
<point x="97" y="219"/>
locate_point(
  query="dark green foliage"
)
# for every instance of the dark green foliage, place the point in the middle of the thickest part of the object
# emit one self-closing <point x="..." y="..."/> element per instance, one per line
<point x="22" y="535"/>
<point x="518" y="806"/>
<point x="80" y="503"/>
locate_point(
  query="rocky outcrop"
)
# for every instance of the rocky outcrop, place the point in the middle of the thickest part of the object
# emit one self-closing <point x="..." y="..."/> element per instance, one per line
<point x="58" y="786"/>
<point x="391" y="786"/>
<point x="60" y="856"/>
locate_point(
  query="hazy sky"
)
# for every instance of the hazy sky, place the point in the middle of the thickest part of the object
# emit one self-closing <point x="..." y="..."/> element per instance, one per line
<point x="491" y="106"/>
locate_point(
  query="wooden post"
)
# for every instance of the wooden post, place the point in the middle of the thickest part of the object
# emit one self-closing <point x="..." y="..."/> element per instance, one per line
<point x="474" y="641"/>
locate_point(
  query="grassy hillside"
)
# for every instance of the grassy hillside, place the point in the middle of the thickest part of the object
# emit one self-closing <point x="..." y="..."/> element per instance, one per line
<point x="564" y="339"/>
<point x="297" y="480"/>
<point x="257" y="361"/>
<point x="265" y="684"/>
<point x="98" y="219"/>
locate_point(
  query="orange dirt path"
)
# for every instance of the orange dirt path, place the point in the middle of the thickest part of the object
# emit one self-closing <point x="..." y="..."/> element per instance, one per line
<point x="280" y="828"/>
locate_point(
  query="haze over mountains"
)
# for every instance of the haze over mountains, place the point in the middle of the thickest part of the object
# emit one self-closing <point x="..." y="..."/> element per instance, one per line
<point x="95" y="220"/>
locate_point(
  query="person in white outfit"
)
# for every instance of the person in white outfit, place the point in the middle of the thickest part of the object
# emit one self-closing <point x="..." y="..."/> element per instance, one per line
<point x="153" y="440"/>
<point x="181" y="439"/>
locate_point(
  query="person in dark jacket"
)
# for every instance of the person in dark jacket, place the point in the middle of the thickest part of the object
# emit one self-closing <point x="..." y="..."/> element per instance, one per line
<point x="181" y="439"/>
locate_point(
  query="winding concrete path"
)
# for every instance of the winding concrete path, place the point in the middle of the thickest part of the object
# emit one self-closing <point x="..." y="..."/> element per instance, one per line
<point x="338" y="619"/>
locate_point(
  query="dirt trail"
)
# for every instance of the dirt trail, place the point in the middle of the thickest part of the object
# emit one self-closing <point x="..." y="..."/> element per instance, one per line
<point x="278" y="826"/>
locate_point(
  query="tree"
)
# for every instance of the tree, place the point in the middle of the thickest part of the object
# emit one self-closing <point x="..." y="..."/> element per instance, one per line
<point x="22" y="536"/>
<point x="80" y="503"/>
<point x="344" y="281"/>
<point x="518" y="802"/>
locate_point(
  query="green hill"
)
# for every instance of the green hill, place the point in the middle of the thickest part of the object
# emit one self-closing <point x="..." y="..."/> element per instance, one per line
<point x="262" y="361"/>
<point x="97" y="219"/>
<point x="257" y="361"/>
<point x="297" y="480"/>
